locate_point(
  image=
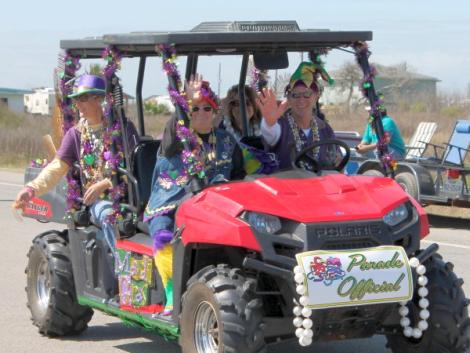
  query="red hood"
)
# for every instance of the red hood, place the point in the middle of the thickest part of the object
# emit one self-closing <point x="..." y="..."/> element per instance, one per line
<point x="334" y="197"/>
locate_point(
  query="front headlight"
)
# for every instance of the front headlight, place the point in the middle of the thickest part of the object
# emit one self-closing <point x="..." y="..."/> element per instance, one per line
<point x="263" y="223"/>
<point x="396" y="216"/>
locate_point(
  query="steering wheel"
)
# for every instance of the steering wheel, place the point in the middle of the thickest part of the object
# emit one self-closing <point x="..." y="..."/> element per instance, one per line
<point x="304" y="156"/>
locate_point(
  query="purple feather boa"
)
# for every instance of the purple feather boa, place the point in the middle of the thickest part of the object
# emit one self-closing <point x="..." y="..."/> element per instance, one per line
<point x="160" y="238"/>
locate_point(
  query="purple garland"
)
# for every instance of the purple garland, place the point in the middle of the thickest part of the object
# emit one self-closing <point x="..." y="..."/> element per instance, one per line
<point x="71" y="66"/>
<point x="113" y="135"/>
<point x="192" y="162"/>
<point x="377" y="106"/>
<point x="259" y="79"/>
<point x="255" y="77"/>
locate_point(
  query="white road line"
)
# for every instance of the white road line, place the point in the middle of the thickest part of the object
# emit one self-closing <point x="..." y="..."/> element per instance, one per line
<point x="11" y="184"/>
<point x="447" y="244"/>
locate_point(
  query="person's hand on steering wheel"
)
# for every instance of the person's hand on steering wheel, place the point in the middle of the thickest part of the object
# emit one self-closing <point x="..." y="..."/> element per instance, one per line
<point x="340" y="162"/>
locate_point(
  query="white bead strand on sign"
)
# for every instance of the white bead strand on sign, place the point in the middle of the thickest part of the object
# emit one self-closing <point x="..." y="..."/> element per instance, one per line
<point x="302" y="314"/>
<point x="416" y="332"/>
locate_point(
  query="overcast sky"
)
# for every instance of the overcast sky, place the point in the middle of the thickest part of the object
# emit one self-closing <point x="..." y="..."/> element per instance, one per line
<point x="431" y="36"/>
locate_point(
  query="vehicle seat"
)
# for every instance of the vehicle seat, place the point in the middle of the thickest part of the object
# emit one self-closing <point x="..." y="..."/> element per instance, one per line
<point x="143" y="162"/>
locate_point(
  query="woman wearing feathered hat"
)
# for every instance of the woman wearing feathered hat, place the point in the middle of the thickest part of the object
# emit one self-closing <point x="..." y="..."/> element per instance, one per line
<point x="82" y="143"/>
<point x="293" y="121"/>
<point x="220" y="157"/>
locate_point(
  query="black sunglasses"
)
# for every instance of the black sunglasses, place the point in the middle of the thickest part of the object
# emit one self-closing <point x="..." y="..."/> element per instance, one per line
<point x="206" y="109"/>
<point x="306" y="94"/>
<point x="82" y="98"/>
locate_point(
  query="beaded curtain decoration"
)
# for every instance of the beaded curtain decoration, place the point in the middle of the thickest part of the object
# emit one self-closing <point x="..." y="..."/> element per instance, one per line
<point x="113" y="159"/>
<point x="71" y="64"/>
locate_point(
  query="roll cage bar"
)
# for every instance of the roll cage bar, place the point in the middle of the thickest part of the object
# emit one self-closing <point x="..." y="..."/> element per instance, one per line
<point x="222" y="38"/>
<point x="216" y="38"/>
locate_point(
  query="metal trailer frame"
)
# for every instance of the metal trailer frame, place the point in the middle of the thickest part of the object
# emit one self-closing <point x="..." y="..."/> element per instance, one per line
<point x="428" y="182"/>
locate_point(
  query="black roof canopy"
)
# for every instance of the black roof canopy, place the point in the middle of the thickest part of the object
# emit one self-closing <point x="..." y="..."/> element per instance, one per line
<point x="219" y="38"/>
<point x="91" y="47"/>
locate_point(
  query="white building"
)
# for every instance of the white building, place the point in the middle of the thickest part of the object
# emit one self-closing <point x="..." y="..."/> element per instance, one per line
<point x="41" y="101"/>
<point x="13" y="98"/>
<point x="334" y="95"/>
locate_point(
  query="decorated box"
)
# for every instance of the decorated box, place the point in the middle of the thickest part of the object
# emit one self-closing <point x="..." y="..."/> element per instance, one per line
<point x="135" y="276"/>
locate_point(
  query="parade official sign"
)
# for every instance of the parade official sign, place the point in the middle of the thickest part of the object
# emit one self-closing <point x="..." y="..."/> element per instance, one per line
<point x="356" y="277"/>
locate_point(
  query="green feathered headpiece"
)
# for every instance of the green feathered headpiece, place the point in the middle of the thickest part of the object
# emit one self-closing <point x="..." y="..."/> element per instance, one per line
<point x="307" y="73"/>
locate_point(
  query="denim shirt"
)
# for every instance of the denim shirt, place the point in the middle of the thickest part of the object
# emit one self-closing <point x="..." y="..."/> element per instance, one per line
<point x="170" y="179"/>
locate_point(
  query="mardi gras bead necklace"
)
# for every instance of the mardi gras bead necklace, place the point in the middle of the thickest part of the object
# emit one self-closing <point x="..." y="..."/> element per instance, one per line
<point x="229" y="128"/>
<point x="208" y="151"/>
<point x="91" y="149"/>
<point x="299" y="144"/>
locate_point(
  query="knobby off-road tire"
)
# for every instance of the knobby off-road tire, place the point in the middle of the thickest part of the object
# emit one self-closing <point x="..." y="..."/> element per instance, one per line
<point x="449" y="325"/>
<point x="221" y="313"/>
<point x="409" y="183"/>
<point x="50" y="287"/>
<point x="373" y="172"/>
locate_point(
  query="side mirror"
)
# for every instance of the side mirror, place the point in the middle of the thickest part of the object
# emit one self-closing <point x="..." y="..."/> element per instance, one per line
<point x="275" y="60"/>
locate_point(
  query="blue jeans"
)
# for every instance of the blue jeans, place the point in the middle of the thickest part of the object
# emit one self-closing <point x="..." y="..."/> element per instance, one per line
<point x="162" y="222"/>
<point x="100" y="210"/>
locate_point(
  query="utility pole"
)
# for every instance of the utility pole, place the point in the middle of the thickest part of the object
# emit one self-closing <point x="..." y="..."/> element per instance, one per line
<point x="219" y="79"/>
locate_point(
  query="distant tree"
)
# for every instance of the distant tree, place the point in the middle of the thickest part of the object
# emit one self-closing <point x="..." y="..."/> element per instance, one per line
<point x="95" y="69"/>
<point x="346" y="78"/>
<point x="280" y="83"/>
<point x="152" y="108"/>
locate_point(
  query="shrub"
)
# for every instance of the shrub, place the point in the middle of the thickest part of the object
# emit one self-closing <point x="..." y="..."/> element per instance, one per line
<point x="155" y="109"/>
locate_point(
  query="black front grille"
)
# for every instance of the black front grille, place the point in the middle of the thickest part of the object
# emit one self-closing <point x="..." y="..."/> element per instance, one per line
<point x="347" y="235"/>
<point x="355" y="244"/>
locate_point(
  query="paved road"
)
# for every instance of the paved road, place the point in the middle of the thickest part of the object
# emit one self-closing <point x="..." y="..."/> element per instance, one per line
<point x="107" y="334"/>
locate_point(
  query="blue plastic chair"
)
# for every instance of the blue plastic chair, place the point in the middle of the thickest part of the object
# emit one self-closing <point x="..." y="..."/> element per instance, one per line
<point x="456" y="149"/>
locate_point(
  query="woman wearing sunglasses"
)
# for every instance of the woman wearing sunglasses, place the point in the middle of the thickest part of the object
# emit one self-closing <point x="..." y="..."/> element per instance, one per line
<point x="232" y="120"/>
<point x="220" y="156"/>
<point x="293" y="121"/>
